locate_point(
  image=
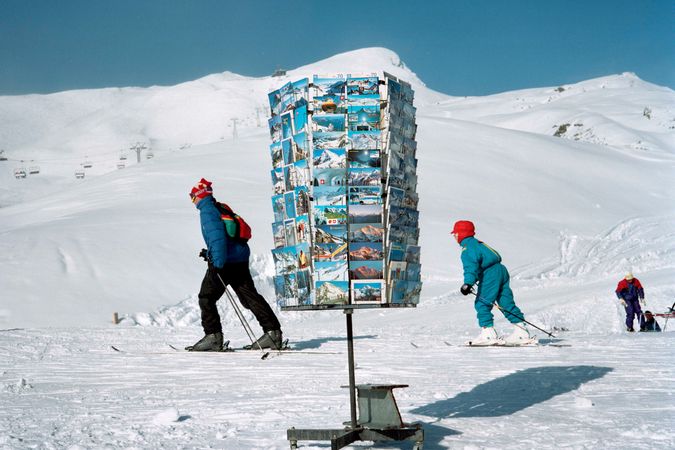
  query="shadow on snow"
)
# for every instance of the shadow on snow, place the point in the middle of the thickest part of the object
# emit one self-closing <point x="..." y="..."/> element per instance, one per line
<point x="316" y="343"/>
<point x="514" y="392"/>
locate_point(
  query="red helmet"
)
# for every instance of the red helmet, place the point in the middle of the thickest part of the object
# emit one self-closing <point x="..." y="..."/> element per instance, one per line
<point x="463" y="229"/>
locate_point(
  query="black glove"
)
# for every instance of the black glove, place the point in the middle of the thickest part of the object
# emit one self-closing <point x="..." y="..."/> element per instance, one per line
<point x="466" y="289"/>
<point x="204" y="254"/>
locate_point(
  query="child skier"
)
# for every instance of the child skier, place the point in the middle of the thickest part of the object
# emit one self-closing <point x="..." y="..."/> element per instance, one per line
<point x="482" y="265"/>
<point x="228" y="264"/>
<point x="650" y="323"/>
<point x="631" y="294"/>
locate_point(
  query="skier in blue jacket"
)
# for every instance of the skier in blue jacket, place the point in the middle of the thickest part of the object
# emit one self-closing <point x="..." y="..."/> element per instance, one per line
<point x="227" y="265"/>
<point x="482" y="265"/>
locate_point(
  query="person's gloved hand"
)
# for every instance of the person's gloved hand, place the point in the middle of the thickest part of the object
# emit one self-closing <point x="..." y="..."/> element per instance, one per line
<point x="465" y="289"/>
<point x="623" y="302"/>
<point x="643" y="302"/>
<point x="204" y="255"/>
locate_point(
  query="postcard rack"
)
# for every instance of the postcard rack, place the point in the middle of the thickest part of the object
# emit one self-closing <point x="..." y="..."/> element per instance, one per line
<point x="344" y="176"/>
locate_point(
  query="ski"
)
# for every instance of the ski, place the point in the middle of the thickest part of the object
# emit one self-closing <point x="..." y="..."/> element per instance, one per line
<point x="286" y="349"/>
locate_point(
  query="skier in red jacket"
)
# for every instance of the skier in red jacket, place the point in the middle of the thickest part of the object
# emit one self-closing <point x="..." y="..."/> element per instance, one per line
<point x="631" y="294"/>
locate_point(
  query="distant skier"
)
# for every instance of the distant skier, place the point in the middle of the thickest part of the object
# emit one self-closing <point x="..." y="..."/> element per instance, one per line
<point x="630" y="292"/>
<point x="227" y="257"/>
<point x="650" y="323"/>
<point x="482" y="265"/>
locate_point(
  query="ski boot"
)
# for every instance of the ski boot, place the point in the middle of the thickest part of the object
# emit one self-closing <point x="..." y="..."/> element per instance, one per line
<point x="520" y="336"/>
<point x="209" y="343"/>
<point x="271" y="339"/>
<point x="487" y="337"/>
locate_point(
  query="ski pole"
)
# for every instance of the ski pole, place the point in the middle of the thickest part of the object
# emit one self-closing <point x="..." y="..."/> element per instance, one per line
<point x="242" y="319"/>
<point x="510" y="312"/>
<point x="665" y="324"/>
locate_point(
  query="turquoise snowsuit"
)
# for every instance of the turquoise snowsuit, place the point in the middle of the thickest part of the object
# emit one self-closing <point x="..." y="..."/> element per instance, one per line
<point x="482" y="264"/>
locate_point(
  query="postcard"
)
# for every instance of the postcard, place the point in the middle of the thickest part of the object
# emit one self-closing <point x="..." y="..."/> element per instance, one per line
<point x="304" y="283"/>
<point x="287" y="150"/>
<point x="412" y="254"/>
<point x="330" y="158"/>
<point x="364" y="159"/>
<point x="398" y="291"/>
<point x="365" y="195"/>
<point x="329" y="86"/>
<point x="330" y="139"/>
<point x="328" y="122"/>
<point x="413" y="272"/>
<point x="279" y="207"/>
<point x="289" y="231"/>
<point x="363" y="85"/>
<point x="367" y="291"/>
<point x="330" y="234"/>
<point x="361" y="214"/>
<point x="330" y="270"/>
<point x="300" y="119"/>
<point x="275" y="128"/>
<point x="289" y="177"/>
<point x="393" y="90"/>
<point x="287" y="98"/>
<point x="277" y="155"/>
<point x="412" y="292"/>
<point x="365" y="251"/>
<point x="330" y="177"/>
<point x="279" y="233"/>
<point x="396" y="251"/>
<point x="301" y="173"/>
<point x="364" y="140"/>
<point x="329" y="252"/>
<point x="363" y="118"/>
<point x="285" y="260"/>
<point x="371" y="232"/>
<point x="364" y="177"/>
<point x="395" y="197"/>
<point x="301" y="147"/>
<point x="302" y="228"/>
<point x="329" y="104"/>
<point x="325" y="195"/>
<point x="275" y="102"/>
<point x="363" y="100"/>
<point x="397" y="270"/>
<point x="331" y="292"/>
<point x="366" y="270"/>
<point x="279" y="289"/>
<point x="287" y="125"/>
<point x="302" y="250"/>
<point x="330" y="215"/>
<point x="301" y="200"/>
<point x="300" y="90"/>
<point x="278" y="182"/>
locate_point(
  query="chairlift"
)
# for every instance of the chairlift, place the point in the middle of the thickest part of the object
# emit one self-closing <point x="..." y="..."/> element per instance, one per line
<point x="20" y="172"/>
<point x="34" y="170"/>
<point x="87" y="164"/>
<point x="123" y="157"/>
<point x="121" y="165"/>
<point x="149" y="155"/>
<point x="79" y="174"/>
<point x="2" y="156"/>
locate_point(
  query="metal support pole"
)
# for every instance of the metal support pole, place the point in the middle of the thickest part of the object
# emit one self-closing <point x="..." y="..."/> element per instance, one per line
<point x="350" y="356"/>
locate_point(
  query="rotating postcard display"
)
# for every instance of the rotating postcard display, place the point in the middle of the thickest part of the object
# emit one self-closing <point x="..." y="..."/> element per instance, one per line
<point x="345" y="204"/>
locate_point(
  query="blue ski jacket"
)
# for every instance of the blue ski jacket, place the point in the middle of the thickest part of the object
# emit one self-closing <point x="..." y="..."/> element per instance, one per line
<point x="476" y="258"/>
<point x="221" y="248"/>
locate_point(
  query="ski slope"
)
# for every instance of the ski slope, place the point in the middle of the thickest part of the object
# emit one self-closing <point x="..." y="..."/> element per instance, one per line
<point x="570" y="214"/>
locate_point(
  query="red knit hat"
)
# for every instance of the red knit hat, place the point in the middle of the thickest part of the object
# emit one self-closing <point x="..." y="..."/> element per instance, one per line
<point x="463" y="229"/>
<point x="201" y="189"/>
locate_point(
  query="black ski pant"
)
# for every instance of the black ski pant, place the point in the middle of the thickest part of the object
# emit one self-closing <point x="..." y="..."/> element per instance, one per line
<point x="239" y="277"/>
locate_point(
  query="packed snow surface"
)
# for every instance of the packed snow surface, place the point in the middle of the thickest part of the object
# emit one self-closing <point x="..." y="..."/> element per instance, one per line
<point x="573" y="184"/>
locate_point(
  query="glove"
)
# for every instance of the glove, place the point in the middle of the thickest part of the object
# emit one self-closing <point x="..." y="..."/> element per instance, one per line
<point x="204" y="254"/>
<point x="466" y="289"/>
<point x="643" y="302"/>
<point x="623" y="302"/>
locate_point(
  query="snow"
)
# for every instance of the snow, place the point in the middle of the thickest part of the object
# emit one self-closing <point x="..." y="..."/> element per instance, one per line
<point x="569" y="214"/>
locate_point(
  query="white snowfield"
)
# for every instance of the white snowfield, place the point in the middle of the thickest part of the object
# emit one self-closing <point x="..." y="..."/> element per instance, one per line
<point x="573" y="184"/>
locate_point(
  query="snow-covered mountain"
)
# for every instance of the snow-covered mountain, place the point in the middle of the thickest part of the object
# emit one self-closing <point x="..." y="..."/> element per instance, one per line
<point x="572" y="184"/>
<point x="545" y="194"/>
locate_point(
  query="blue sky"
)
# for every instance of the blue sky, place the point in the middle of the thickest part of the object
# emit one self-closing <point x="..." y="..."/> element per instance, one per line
<point x="460" y="47"/>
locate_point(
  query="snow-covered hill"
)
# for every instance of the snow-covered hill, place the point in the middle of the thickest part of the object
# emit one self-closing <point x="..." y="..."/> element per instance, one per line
<point x="573" y="185"/>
